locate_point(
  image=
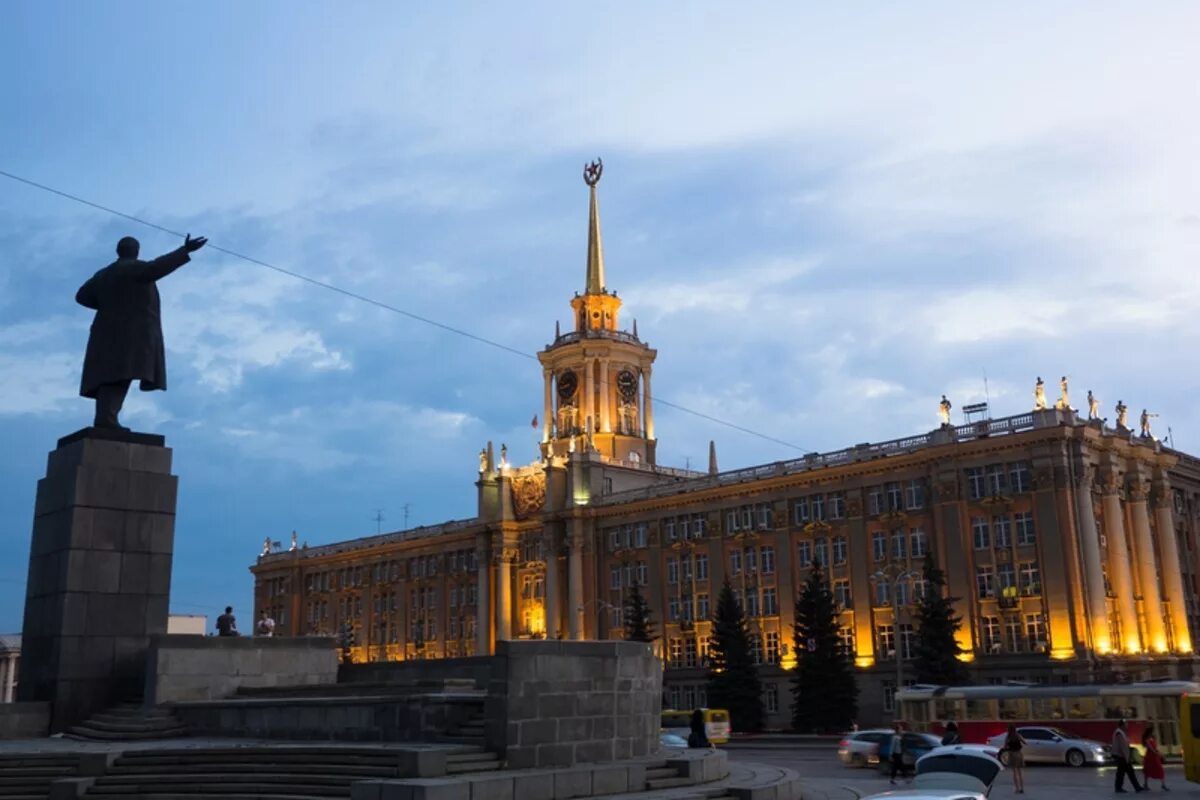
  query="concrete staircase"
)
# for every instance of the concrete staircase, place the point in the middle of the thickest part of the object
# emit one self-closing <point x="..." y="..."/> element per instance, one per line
<point x="27" y="777"/>
<point x="660" y="776"/>
<point x="277" y="772"/>
<point x="129" y="722"/>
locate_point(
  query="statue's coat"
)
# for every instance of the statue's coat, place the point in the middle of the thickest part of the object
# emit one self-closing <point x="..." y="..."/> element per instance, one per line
<point x="126" y="341"/>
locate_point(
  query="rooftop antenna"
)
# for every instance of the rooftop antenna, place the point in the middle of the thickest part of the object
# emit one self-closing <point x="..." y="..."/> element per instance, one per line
<point x="406" y="507"/>
<point x="378" y="521"/>
<point x="986" y="397"/>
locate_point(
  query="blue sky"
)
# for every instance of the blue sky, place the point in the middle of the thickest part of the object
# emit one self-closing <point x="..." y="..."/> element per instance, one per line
<point x="823" y="217"/>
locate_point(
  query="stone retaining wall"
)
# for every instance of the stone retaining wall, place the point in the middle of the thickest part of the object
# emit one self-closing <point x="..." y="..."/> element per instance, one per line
<point x="24" y="720"/>
<point x="473" y="668"/>
<point x="189" y="668"/>
<point x="558" y="703"/>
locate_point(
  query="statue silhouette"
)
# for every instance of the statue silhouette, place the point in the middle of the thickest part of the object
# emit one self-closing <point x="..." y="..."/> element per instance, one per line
<point x="126" y="341"/>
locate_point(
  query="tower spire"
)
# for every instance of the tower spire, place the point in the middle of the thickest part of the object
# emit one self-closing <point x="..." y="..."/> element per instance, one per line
<point x="595" y="253"/>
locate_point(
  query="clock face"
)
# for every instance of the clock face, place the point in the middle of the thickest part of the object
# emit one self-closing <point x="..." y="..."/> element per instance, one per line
<point x="627" y="384"/>
<point x="567" y="384"/>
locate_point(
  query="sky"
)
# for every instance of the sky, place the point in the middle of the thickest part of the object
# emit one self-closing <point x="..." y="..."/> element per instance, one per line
<point x="823" y="216"/>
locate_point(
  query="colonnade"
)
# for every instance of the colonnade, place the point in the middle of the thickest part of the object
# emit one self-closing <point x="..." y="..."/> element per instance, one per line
<point x="8" y="676"/>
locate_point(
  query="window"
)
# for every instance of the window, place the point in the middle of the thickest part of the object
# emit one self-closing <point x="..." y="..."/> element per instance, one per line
<point x="800" y="513"/>
<point x="883" y="594"/>
<point x="1006" y="576"/>
<point x="614" y="578"/>
<point x="1012" y="635"/>
<point x="672" y="570"/>
<point x="669" y="529"/>
<point x="841" y="592"/>
<point x="979" y="529"/>
<point x="1018" y="476"/>
<point x="746" y="515"/>
<point x="804" y="553"/>
<point x="689" y="653"/>
<point x="889" y="695"/>
<point x="875" y="500"/>
<point x="846" y="639"/>
<point x="771" y="701"/>
<point x="1031" y="578"/>
<point x="764" y="515"/>
<point x="879" y="545"/>
<point x="887" y="640"/>
<point x="1035" y="630"/>
<point x="898" y="544"/>
<point x="918" y="542"/>
<point x="702" y="606"/>
<point x="817" y="502"/>
<point x="772" y="647"/>
<point x="908" y="640"/>
<point x="770" y="603"/>
<point x="751" y="558"/>
<point x="976" y="483"/>
<point x="901" y="590"/>
<point x="643" y="573"/>
<point x="675" y="653"/>
<point x="751" y="603"/>
<point x="837" y="505"/>
<point x="985" y="581"/>
<point x="1025" y="534"/>
<point x="735" y="562"/>
<point x="839" y="549"/>
<point x="990" y="628"/>
<point x="821" y="551"/>
<point x="920" y="589"/>
<point x="1002" y="530"/>
<point x="755" y="649"/>
<point x="895" y="499"/>
<point x="996" y="483"/>
<point x="914" y="495"/>
<point x="640" y="535"/>
<point x="673" y="609"/>
<point x="767" y="559"/>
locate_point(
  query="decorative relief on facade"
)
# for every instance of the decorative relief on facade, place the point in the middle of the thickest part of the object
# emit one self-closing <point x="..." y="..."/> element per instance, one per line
<point x="1043" y="478"/>
<point x="1137" y="490"/>
<point x="854" y="505"/>
<point x="528" y="494"/>
<point x="947" y="491"/>
<point x="509" y="554"/>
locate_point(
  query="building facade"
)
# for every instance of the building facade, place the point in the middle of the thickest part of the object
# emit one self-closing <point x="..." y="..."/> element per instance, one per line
<point x="1071" y="545"/>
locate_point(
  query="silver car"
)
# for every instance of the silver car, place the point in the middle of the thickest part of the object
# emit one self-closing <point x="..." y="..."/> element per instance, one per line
<point x="1055" y="746"/>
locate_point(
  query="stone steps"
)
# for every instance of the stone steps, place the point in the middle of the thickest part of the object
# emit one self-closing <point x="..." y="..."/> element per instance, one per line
<point x="23" y="777"/>
<point x="128" y="722"/>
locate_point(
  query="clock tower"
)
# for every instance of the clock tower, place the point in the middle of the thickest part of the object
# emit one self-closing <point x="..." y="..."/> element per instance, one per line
<point x="597" y="377"/>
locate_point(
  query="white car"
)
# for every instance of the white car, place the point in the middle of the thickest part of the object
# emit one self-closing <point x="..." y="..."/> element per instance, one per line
<point x="861" y="748"/>
<point x="1055" y="746"/>
<point x="953" y="772"/>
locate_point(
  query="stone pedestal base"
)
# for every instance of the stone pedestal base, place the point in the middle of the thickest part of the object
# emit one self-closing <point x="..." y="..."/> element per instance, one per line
<point x="99" y="572"/>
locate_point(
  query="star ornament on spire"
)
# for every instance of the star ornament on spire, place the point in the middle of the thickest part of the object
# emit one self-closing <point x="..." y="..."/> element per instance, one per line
<point x="593" y="171"/>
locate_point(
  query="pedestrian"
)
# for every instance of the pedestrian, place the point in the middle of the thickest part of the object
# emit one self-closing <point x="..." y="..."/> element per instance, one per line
<point x="1120" y="754"/>
<point x="951" y="735"/>
<point x="699" y="735"/>
<point x="1152" y="763"/>
<point x="227" y="623"/>
<point x="1014" y="748"/>
<point x="896" y="752"/>
<point x="266" y="625"/>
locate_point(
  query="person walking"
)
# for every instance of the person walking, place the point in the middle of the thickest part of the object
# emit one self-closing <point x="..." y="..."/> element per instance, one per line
<point x="1014" y="747"/>
<point x="227" y="623"/>
<point x="896" y="752"/>
<point x="699" y="735"/>
<point x="1152" y="764"/>
<point x="1121" y="754"/>
<point x="951" y="735"/>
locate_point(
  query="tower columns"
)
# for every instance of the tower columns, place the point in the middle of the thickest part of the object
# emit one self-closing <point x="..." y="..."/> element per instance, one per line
<point x="648" y="399"/>
<point x="483" y="597"/>
<point x="606" y="393"/>
<point x="1089" y="542"/>
<point x="1172" y="573"/>
<point x="575" y="579"/>
<point x="550" y="547"/>
<point x="1156" y="630"/>
<point x="1118" y="569"/>
<point x="547" y="405"/>
<point x="585" y="407"/>
<point x="503" y="594"/>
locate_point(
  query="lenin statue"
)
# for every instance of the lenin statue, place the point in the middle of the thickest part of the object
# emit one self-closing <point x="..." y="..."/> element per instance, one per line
<point x="126" y="341"/>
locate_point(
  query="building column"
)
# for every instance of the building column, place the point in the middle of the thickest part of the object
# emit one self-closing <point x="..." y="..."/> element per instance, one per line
<point x="5" y="674"/>
<point x="606" y="396"/>
<point x="1172" y="572"/>
<point x="586" y="406"/>
<point x="1147" y="566"/>
<point x="547" y="405"/>
<point x="647" y="397"/>
<point x="504" y="608"/>
<point x="1118" y="569"/>
<point x="550" y="545"/>
<point x="575" y="579"/>
<point x="483" y="596"/>
<point x="1089" y="542"/>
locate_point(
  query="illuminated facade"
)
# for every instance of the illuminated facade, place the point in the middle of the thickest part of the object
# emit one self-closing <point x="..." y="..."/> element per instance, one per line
<point x="1071" y="545"/>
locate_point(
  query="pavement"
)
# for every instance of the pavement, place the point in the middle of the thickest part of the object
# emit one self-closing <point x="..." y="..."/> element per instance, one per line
<point x="824" y="778"/>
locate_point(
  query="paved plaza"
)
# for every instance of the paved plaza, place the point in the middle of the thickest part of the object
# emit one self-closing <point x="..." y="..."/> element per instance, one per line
<point x="823" y="778"/>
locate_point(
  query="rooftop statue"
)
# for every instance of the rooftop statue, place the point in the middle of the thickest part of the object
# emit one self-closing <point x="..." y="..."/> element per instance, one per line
<point x="944" y="410"/>
<point x="1093" y="406"/>
<point x="1064" y="401"/>
<point x="126" y="341"/>
<point x="1122" y="416"/>
<point x="1039" y="394"/>
<point x="1145" y="420"/>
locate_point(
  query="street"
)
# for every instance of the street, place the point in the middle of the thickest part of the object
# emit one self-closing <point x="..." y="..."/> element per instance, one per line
<point x="826" y="779"/>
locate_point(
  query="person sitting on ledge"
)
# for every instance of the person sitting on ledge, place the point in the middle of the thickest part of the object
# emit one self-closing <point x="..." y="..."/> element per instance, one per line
<point x="227" y="623"/>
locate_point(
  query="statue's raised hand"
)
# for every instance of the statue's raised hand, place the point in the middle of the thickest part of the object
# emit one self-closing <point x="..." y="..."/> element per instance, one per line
<point x="192" y="245"/>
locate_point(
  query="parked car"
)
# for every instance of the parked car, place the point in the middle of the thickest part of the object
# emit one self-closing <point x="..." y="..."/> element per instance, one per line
<point x="861" y="748"/>
<point x="671" y="739"/>
<point x="954" y="772"/>
<point x="1055" y="746"/>
<point x="914" y="744"/>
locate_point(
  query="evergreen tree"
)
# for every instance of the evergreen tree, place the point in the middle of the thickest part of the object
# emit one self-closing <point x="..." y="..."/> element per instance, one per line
<point x="824" y="690"/>
<point x="733" y="682"/>
<point x="638" y="627"/>
<point x="937" y="648"/>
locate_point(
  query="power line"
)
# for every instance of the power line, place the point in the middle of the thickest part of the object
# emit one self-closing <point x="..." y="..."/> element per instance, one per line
<point x="372" y="301"/>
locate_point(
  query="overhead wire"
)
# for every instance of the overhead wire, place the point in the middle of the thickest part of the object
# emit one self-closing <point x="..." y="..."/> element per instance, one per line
<point x="372" y="301"/>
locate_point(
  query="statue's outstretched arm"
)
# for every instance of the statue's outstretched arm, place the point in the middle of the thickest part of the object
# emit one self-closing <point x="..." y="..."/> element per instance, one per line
<point x="164" y="265"/>
<point x="86" y="296"/>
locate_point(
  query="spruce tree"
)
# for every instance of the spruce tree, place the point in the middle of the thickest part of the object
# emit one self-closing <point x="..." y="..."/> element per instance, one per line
<point x="733" y="682"/>
<point x="638" y="627"/>
<point x="824" y="690"/>
<point x="937" y="653"/>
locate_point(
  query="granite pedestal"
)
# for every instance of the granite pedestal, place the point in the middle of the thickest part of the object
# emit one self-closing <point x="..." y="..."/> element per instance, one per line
<point x="99" y="572"/>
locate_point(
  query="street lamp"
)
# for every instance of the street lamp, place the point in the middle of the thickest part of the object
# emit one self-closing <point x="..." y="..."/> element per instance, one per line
<point x="893" y="576"/>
